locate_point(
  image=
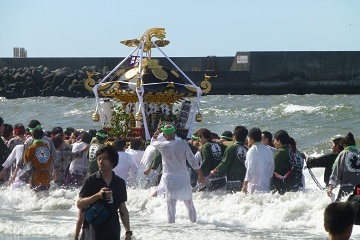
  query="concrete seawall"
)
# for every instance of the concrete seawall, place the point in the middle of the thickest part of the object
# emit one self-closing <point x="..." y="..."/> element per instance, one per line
<point x="332" y="72"/>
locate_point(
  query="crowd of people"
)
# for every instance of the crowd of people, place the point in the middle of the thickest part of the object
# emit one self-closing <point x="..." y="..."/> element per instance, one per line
<point x="248" y="161"/>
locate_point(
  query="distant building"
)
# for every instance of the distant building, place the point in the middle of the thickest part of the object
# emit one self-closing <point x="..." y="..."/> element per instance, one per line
<point x="20" y="52"/>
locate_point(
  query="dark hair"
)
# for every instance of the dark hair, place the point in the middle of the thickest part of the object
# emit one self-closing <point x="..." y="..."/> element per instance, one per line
<point x="214" y="136"/>
<point x="348" y="140"/>
<point x="227" y="135"/>
<point x="57" y="141"/>
<point x="37" y="133"/>
<point x="33" y="123"/>
<point x="93" y="132"/>
<point x="338" y="216"/>
<point x="255" y="134"/>
<point x="120" y="144"/>
<point x="19" y="129"/>
<point x="240" y="133"/>
<point x="57" y="130"/>
<point x="111" y="151"/>
<point x="86" y="137"/>
<point x="292" y="143"/>
<point x="136" y="143"/>
<point x="8" y="130"/>
<point x="204" y="132"/>
<point x="68" y="131"/>
<point x="1" y="121"/>
<point x="282" y="136"/>
<point x="269" y="136"/>
<point x="338" y="141"/>
<point x="99" y="138"/>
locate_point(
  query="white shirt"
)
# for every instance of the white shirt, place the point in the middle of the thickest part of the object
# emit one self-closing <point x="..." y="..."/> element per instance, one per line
<point x="176" y="175"/>
<point x="136" y="154"/>
<point x="260" y="167"/>
<point x="16" y="154"/>
<point x="79" y="164"/>
<point x="147" y="181"/>
<point x="126" y="168"/>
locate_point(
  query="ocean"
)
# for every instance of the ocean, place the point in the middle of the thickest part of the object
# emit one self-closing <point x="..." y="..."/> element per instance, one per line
<point x="312" y="120"/>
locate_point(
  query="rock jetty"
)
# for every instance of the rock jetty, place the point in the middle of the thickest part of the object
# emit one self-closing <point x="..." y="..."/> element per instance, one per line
<point x="42" y="81"/>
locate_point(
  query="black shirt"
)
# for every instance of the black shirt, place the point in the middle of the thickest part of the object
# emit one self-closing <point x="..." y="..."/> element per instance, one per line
<point x="110" y="229"/>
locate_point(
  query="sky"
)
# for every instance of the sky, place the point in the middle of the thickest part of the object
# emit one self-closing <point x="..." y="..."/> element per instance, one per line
<point x="196" y="28"/>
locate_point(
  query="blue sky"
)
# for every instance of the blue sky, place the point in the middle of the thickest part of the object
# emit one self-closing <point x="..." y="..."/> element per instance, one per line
<point x="93" y="28"/>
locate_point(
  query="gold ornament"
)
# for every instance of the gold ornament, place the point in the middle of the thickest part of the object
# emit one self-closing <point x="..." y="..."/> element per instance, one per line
<point x="198" y="117"/>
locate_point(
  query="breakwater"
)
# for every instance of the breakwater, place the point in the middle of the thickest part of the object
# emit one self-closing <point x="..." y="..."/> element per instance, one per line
<point x="265" y="73"/>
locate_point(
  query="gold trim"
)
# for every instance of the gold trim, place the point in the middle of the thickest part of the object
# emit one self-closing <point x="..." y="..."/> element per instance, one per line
<point x="175" y="73"/>
<point x="120" y="72"/>
<point x="131" y="73"/>
<point x="160" y="73"/>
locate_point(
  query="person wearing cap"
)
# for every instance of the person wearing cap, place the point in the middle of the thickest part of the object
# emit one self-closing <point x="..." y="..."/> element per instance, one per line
<point x="326" y="161"/>
<point x="233" y="161"/>
<point x="106" y="188"/>
<point x="176" y="178"/>
<point x="97" y="143"/>
<point x="346" y="168"/>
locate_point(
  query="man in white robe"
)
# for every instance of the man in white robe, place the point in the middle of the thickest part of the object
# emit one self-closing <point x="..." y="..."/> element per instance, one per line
<point x="259" y="164"/>
<point x="175" y="174"/>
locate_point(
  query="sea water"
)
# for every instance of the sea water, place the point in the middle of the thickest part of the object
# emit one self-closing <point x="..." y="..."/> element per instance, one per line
<point x="312" y="120"/>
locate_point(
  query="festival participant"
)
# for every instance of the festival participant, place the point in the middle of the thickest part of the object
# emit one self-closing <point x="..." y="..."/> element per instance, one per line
<point x="67" y="134"/>
<point x="4" y="150"/>
<point x="40" y="159"/>
<point x="281" y="181"/>
<point x="35" y="124"/>
<point x="75" y="136"/>
<point x="339" y="220"/>
<point x="57" y="131"/>
<point x="7" y="133"/>
<point x="78" y="166"/>
<point x="346" y="170"/>
<point x="327" y="161"/>
<point x="267" y="140"/>
<point x="19" y="136"/>
<point x="146" y="177"/>
<point x="297" y="161"/>
<point x="15" y="156"/>
<point x="127" y="167"/>
<point x="194" y="140"/>
<point x="175" y="154"/>
<point x="66" y="156"/>
<point x="211" y="154"/>
<point x="226" y="138"/>
<point x="233" y="161"/>
<point x="108" y="189"/>
<point x="259" y="164"/>
<point x="135" y="150"/>
<point x="99" y="142"/>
